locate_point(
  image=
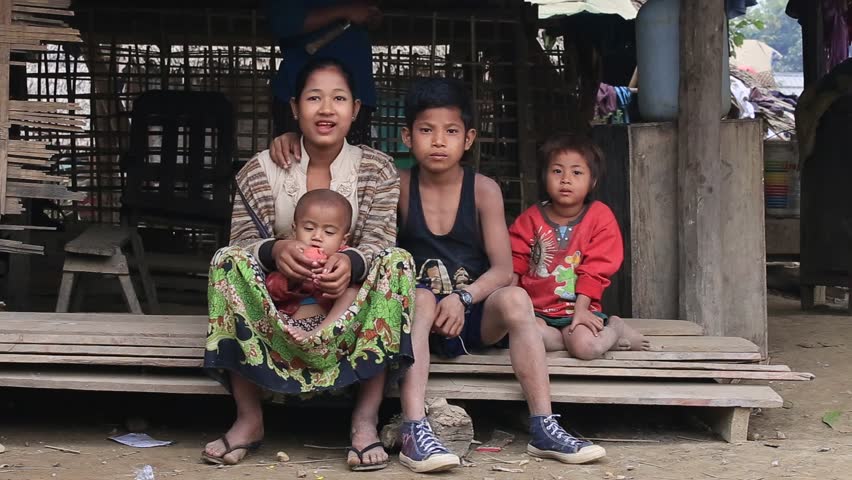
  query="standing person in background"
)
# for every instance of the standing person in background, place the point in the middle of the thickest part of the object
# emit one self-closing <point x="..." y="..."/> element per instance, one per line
<point x="299" y="24"/>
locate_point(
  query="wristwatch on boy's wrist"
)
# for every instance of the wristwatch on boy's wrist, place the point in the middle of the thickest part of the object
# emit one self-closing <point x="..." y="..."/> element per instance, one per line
<point x="466" y="299"/>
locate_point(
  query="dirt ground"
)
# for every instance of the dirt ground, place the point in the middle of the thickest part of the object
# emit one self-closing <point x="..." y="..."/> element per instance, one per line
<point x="674" y="444"/>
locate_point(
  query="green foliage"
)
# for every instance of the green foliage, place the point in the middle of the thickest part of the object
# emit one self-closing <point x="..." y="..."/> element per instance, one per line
<point x="738" y="28"/>
<point x="769" y="23"/>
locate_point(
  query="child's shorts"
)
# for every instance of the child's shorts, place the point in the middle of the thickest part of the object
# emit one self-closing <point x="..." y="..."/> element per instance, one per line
<point x="562" y="322"/>
<point x="469" y="339"/>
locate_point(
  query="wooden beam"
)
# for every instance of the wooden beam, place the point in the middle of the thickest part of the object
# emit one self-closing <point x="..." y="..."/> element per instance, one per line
<point x="526" y="140"/>
<point x="702" y="27"/>
<point x="743" y="231"/>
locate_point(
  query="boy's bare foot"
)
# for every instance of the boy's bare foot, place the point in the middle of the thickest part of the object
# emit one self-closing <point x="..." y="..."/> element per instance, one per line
<point x="622" y="344"/>
<point x="630" y="339"/>
<point x="299" y="335"/>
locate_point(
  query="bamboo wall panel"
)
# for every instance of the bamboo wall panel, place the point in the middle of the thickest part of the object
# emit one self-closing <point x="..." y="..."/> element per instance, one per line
<point x="231" y="51"/>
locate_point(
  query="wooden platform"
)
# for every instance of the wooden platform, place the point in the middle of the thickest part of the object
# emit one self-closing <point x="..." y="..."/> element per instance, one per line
<point x="116" y="352"/>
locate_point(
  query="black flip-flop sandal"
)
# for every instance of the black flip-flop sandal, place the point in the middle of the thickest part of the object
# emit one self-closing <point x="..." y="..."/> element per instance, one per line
<point x="362" y="467"/>
<point x="248" y="447"/>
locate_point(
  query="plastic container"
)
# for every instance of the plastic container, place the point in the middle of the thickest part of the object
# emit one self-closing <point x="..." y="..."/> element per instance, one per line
<point x="658" y="56"/>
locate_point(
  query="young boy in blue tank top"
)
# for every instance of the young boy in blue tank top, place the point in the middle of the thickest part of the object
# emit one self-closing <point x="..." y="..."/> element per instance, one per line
<point x="452" y="221"/>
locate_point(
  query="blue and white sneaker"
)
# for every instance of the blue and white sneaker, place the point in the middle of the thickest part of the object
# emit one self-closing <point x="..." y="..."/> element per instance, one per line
<point x="550" y="440"/>
<point x="422" y="452"/>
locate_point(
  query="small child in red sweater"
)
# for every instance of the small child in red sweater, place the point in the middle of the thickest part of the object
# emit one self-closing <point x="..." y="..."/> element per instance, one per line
<point x="566" y="249"/>
<point x="321" y="222"/>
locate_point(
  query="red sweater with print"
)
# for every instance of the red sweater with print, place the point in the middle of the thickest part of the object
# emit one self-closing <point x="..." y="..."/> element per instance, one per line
<point x="556" y="263"/>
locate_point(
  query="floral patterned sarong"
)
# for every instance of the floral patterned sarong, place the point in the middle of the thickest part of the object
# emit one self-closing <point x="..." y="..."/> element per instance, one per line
<point x="245" y="335"/>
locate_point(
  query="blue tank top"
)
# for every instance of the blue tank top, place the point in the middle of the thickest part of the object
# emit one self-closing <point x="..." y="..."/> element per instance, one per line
<point x="445" y="262"/>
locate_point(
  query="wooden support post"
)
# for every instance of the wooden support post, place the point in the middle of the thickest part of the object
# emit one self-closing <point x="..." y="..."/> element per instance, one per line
<point x="5" y="58"/>
<point x="730" y="423"/>
<point x="814" y="56"/>
<point x="702" y="25"/>
<point x="526" y="141"/>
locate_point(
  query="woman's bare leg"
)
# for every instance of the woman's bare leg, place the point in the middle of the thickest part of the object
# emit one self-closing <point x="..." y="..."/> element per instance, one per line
<point x="365" y="419"/>
<point x="247" y="428"/>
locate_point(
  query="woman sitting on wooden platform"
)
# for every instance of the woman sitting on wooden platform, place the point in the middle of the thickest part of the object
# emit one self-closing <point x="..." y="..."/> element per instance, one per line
<point x="247" y="346"/>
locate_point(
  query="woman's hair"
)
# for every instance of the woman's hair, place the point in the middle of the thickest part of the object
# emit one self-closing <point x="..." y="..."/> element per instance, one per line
<point x="572" y="142"/>
<point x="438" y="92"/>
<point x="315" y="64"/>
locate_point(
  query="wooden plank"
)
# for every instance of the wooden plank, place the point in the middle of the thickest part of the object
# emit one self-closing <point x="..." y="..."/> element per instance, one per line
<point x="46" y="11"/>
<point x="23" y="46"/>
<point x="103" y="240"/>
<point x="685" y="356"/>
<point x="28" y="19"/>
<point x="37" y="30"/>
<point x="744" y="290"/>
<point x="702" y="344"/>
<point x="45" y="125"/>
<point x="112" y="381"/>
<point x="565" y="361"/>
<point x="653" y="224"/>
<point x="33" y="190"/>
<point x="123" y="351"/>
<point x="645" y="326"/>
<point x="563" y="391"/>
<point x="626" y="372"/>
<point x="34" y="106"/>
<point x="101" y="360"/>
<point x="40" y="117"/>
<point x="26" y="227"/>
<point x="100" y="328"/>
<point x="18" y="173"/>
<point x="28" y="144"/>
<point x="28" y="161"/>
<point x="114" y="265"/>
<point x="709" y="345"/>
<point x="106" y="339"/>
<point x="196" y="321"/>
<point x="608" y="392"/>
<point x="98" y="320"/>
<point x="44" y="3"/>
<point x="651" y="326"/>
<point x="701" y="290"/>
<point x="197" y="329"/>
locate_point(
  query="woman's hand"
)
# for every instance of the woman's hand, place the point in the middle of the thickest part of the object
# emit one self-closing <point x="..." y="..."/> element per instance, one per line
<point x="334" y="275"/>
<point x="285" y="150"/>
<point x="291" y="261"/>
